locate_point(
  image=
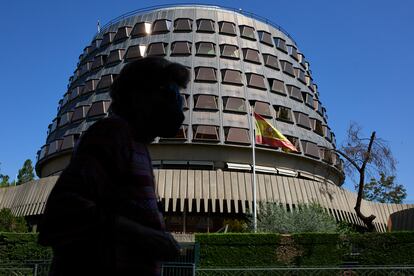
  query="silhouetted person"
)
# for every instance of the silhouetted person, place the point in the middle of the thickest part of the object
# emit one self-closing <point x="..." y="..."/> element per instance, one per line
<point x="102" y="217"/>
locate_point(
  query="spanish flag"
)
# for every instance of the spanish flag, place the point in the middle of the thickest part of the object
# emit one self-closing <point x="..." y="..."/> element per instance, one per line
<point x="269" y="135"/>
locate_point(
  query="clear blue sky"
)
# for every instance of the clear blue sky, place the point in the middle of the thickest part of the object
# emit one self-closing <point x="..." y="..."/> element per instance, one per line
<point x="361" y="54"/>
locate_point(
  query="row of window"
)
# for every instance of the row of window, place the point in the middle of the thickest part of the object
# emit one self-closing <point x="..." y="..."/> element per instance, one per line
<point x="208" y="49"/>
<point x="163" y="26"/>
<point x="207" y="133"/>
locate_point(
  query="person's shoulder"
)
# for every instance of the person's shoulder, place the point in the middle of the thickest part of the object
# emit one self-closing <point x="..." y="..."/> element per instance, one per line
<point x="113" y="124"/>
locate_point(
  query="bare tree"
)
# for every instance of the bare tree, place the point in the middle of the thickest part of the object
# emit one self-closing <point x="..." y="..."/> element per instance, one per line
<point x="365" y="157"/>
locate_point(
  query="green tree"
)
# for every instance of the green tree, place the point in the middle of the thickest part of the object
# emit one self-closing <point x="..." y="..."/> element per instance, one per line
<point x="11" y="223"/>
<point x="4" y="180"/>
<point x="26" y="173"/>
<point x="274" y="218"/>
<point x="384" y="190"/>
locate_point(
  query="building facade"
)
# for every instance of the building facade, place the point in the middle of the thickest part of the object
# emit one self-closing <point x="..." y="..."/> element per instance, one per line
<point x="238" y="62"/>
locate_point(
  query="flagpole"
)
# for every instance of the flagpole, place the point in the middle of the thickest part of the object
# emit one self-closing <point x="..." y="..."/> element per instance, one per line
<point x="253" y="128"/>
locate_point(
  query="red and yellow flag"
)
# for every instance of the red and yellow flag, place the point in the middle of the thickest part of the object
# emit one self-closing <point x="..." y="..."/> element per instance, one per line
<point x="269" y="135"/>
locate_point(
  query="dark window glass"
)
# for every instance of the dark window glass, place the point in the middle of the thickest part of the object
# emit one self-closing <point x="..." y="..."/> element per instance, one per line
<point x="122" y="33"/>
<point x="205" y="74"/>
<point x="293" y="52"/>
<point x="205" y="26"/>
<point x="107" y="38"/>
<point x="203" y="132"/>
<point x="90" y="86"/>
<point x="231" y="77"/>
<point x="262" y="109"/>
<point x="43" y="152"/>
<point x="308" y="99"/>
<point x="183" y="25"/>
<point x="65" y="118"/>
<point x="271" y="61"/>
<point x="181" y="48"/>
<point x="99" y="62"/>
<point x="99" y="108"/>
<point x="106" y="81"/>
<point x="157" y="49"/>
<point x="287" y="67"/>
<point x="251" y="55"/>
<point x="310" y="149"/>
<point x="256" y="81"/>
<point x="326" y="155"/>
<point x="205" y="49"/>
<point x="229" y="51"/>
<point x="161" y="26"/>
<point x="115" y="56"/>
<point x="294" y="92"/>
<point x="284" y="114"/>
<point x="182" y="133"/>
<point x="295" y="141"/>
<point x="185" y="101"/>
<point x="135" y="52"/>
<point x="280" y="44"/>
<point x="277" y="86"/>
<point x="54" y="147"/>
<point x="80" y="112"/>
<point x="87" y="51"/>
<point x="69" y="141"/>
<point x="265" y="38"/>
<point x="76" y="92"/>
<point x="237" y="135"/>
<point x="327" y="133"/>
<point x="227" y="28"/>
<point x="317" y="127"/>
<point x="318" y="107"/>
<point x="302" y="120"/>
<point x="302" y="60"/>
<point x="205" y="102"/>
<point x="84" y="68"/>
<point x="247" y="32"/>
<point x="141" y="29"/>
<point x="300" y="74"/>
<point x="234" y="104"/>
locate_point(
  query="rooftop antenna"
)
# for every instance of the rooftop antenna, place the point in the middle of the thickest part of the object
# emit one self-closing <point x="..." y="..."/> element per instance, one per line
<point x="98" y="25"/>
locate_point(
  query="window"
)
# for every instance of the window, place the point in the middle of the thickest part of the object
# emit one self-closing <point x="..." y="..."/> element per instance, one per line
<point x="234" y="104"/>
<point x="181" y="135"/>
<point x="310" y="149"/>
<point x="256" y="81"/>
<point x="293" y="52"/>
<point x="181" y="48"/>
<point x="205" y="49"/>
<point x="308" y="99"/>
<point x="294" y="92"/>
<point x="55" y="124"/>
<point x="86" y="51"/>
<point x="302" y="60"/>
<point x="203" y="132"/>
<point x="247" y="32"/>
<point x="317" y="126"/>
<point x="107" y="38"/>
<point x="295" y="141"/>
<point x="205" y="102"/>
<point x="326" y="155"/>
<point x="271" y="61"/>
<point x="185" y="102"/>
<point x="251" y="55"/>
<point x="115" y="56"/>
<point x="99" y="108"/>
<point x="302" y="120"/>
<point x="231" y="77"/>
<point x="69" y="141"/>
<point x="277" y="86"/>
<point x="236" y="135"/>
<point x="161" y="26"/>
<point x="183" y="25"/>
<point x="287" y="68"/>
<point x="135" y="52"/>
<point x="84" y="68"/>
<point x="262" y="109"/>
<point x="157" y="49"/>
<point x="98" y="62"/>
<point x="65" y="118"/>
<point x="106" y="81"/>
<point x="318" y="106"/>
<point x="43" y="152"/>
<point x="122" y="33"/>
<point x="205" y="74"/>
<point x="141" y="29"/>
<point x="54" y="146"/>
<point x="227" y="28"/>
<point x="265" y="38"/>
<point x="327" y="133"/>
<point x="280" y="44"/>
<point x="283" y="114"/>
<point x="309" y="82"/>
<point x="300" y="74"/>
<point x="90" y="86"/>
<point x="229" y="51"/>
<point x="205" y="26"/>
<point x="76" y="92"/>
<point x="80" y="113"/>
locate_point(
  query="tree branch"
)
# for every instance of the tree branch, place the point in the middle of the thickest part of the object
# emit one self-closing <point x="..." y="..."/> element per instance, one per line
<point x="349" y="159"/>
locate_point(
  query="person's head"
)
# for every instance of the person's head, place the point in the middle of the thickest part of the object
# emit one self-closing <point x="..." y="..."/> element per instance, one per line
<point x="146" y="94"/>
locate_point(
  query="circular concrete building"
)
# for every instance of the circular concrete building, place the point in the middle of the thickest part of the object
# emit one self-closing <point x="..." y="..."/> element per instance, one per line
<point x="238" y="62"/>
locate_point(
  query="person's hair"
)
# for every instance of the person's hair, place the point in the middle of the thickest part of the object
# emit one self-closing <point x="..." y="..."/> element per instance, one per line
<point x="141" y="77"/>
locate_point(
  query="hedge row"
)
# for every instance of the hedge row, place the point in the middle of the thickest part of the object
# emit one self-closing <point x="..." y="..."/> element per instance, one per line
<point x="22" y="247"/>
<point x="309" y="249"/>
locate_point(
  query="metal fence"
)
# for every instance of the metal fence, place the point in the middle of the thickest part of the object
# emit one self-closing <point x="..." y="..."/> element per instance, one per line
<point x="27" y="268"/>
<point x="309" y="271"/>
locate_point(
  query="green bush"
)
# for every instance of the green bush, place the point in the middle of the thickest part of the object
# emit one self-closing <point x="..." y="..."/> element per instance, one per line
<point x="22" y="247"/>
<point x="11" y="223"/>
